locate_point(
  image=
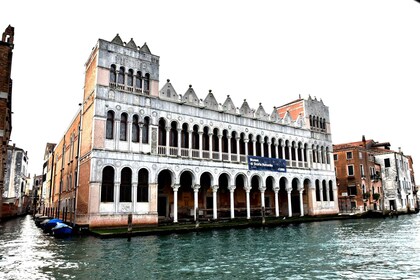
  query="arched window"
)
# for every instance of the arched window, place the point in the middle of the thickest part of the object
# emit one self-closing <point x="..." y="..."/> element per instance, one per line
<point x="317" y="191"/>
<point x="265" y="147"/>
<point x="280" y="149"/>
<point x="310" y="120"/>
<point x="125" y="186"/>
<point x="162" y="132"/>
<point x="135" y="129"/>
<point x="258" y="146"/>
<point x="242" y="144"/>
<point x="215" y="140"/>
<point x="184" y="136"/>
<point x="233" y="144"/>
<point x="139" y="82"/>
<point x="123" y="127"/>
<point x="324" y="191"/>
<point x="173" y="135"/>
<point x="195" y="138"/>
<point x="286" y="150"/>
<point x="145" y="130"/>
<point x="330" y="187"/>
<point x="147" y="82"/>
<point x="206" y="143"/>
<point x="107" y="188"/>
<point x="273" y="147"/>
<point x="113" y="74"/>
<point x="110" y="125"/>
<point x="250" y="145"/>
<point x="225" y="141"/>
<point x="143" y="186"/>
<point x="121" y="74"/>
<point x="130" y="78"/>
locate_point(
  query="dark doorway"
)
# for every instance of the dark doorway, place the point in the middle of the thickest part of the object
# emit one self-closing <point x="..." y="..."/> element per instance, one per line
<point x="162" y="206"/>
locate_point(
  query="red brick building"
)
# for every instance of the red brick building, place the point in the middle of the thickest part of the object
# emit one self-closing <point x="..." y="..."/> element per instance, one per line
<point x="358" y="176"/>
<point x="6" y="53"/>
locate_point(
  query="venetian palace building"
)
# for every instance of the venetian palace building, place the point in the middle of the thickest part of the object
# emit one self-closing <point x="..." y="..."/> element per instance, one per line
<point x="163" y="156"/>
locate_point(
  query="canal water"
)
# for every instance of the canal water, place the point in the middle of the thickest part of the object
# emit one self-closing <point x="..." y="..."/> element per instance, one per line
<point x="346" y="249"/>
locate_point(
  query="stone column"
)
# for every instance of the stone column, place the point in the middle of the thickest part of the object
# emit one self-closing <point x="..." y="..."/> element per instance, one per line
<point x="301" y="202"/>
<point x="254" y="146"/>
<point x="229" y="137"/>
<point x="262" y="190"/>
<point x="116" y="133"/>
<point x="140" y="137"/>
<point x="220" y="146"/>
<point x="276" y="201"/>
<point x="153" y="198"/>
<point x="200" y="143"/>
<point x="238" y="149"/>
<point x="246" y="146"/>
<point x="276" y="147"/>
<point x="269" y="149"/>
<point x="290" y="154"/>
<point x="296" y="155"/>
<point x="117" y="196"/>
<point x="283" y="151"/>
<point x="215" y="188"/>
<point x="129" y="134"/>
<point x="190" y="143"/>
<point x="134" y="195"/>
<point x="168" y="130"/>
<point x="302" y="156"/>
<point x="262" y="147"/>
<point x="210" y="145"/>
<point x="232" y="201"/>
<point x="179" y="141"/>
<point x="175" y="188"/>
<point x="196" y="189"/>
<point x="289" y="201"/>
<point x="248" y="204"/>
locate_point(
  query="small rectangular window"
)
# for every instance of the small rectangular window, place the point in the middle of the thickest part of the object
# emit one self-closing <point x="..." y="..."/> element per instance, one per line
<point x="362" y="170"/>
<point x="350" y="170"/>
<point x="349" y="155"/>
<point x="360" y="155"/>
<point x="335" y="157"/>
<point x="387" y="162"/>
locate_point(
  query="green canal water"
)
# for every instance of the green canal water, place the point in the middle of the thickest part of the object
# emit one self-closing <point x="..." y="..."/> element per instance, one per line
<point x="345" y="249"/>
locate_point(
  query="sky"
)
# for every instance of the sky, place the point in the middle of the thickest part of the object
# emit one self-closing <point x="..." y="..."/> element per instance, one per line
<point x="361" y="57"/>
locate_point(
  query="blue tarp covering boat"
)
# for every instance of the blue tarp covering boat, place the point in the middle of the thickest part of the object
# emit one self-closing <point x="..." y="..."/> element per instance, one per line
<point x="50" y="224"/>
<point x="62" y="229"/>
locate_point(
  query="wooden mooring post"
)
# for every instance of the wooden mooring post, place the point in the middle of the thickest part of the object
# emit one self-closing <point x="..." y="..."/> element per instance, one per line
<point x="130" y="226"/>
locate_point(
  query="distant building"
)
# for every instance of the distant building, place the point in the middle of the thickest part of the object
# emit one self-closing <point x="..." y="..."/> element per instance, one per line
<point x="370" y="176"/>
<point x="161" y="156"/>
<point x="6" y="54"/>
<point x="16" y="183"/>
<point x="36" y="193"/>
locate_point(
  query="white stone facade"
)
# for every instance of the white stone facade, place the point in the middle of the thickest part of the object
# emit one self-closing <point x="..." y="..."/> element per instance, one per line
<point x="161" y="155"/>
<point x="396" y="181"/>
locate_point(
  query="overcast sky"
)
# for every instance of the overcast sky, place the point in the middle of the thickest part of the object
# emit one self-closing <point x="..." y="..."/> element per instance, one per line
<point x="361" y="57"/>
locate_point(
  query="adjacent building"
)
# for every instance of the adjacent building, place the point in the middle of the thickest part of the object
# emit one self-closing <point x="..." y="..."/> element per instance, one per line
<point x="6" y="54"/>
<point x="370" y="176"/>
<point x="16" y="182"/>
<point x="164" y="156"/>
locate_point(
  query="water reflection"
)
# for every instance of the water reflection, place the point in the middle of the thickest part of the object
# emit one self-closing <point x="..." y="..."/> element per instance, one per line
<point x="351" y="249"/>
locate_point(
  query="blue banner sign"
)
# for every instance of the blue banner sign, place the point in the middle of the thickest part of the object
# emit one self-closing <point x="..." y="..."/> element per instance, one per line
<point x="264" y="163"/>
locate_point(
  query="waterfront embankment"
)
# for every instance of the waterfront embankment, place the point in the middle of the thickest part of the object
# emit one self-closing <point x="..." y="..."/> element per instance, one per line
<point x="205" y="225"/>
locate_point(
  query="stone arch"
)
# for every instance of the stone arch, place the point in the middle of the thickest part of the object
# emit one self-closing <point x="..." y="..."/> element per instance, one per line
<point x="165" y="179"/>
<point x="223" y="194"/>
<point x="187" y="182"/>
<point x="205" y="193"/>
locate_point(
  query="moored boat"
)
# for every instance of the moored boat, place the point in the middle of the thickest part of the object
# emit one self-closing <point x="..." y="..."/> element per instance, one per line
<point x="62" y="230"/>
<point x="50" y="224"/>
